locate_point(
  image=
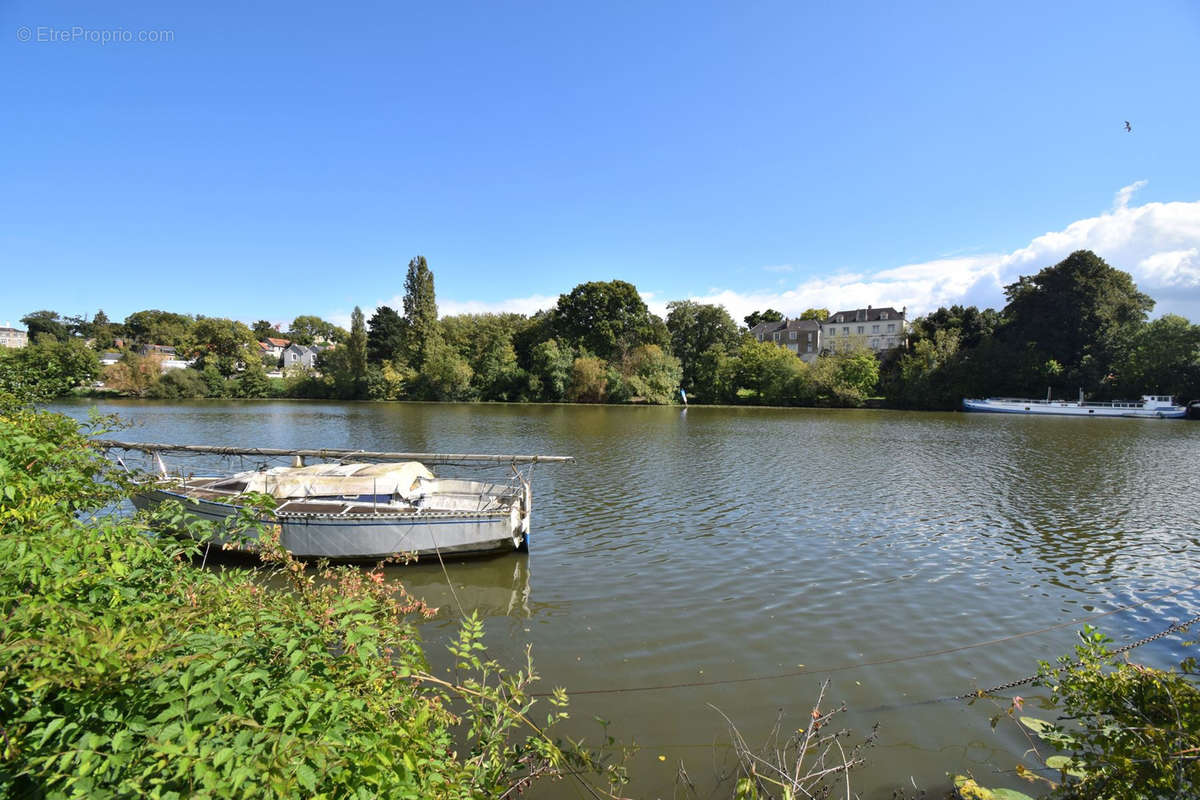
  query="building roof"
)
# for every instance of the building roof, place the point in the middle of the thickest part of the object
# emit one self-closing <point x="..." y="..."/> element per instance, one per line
<point x="867" y="314"/>
<point x="278" y="342"/>
<point x="785" y="324"/>
<point x="7" y="329"/>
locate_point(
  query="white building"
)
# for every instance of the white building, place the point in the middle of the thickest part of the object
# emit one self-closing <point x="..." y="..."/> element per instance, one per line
<point x="875" y="329"/>
<point x="13" y="337"/>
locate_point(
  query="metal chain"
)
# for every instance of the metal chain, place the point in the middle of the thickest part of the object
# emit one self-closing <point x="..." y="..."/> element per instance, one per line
<point x="1178" y="626"/>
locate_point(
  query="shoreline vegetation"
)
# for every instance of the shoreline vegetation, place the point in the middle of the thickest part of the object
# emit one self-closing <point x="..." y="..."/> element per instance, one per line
<point x="129" y="670"/>
<point x="1079" y="325"/>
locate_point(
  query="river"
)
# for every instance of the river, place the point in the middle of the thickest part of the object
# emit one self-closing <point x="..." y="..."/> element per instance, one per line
<point x="735" y="557"/>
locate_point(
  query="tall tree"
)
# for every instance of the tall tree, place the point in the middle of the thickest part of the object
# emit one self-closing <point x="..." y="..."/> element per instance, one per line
<point x="1163" y="358"/>
<point x="385" y="335"/>
<point x="551" y="366"/>
<point x="1080" y="314"/>
<point x="225" y="344"/>
<point x="420" y="309"/>
<point x="265" y="330"/>
<point x="310" y="329"/>
<point x="356" y="353"/>
<point x="46" y="323"/>
<point x="695" y="327"/>
<point x="971" y="325"/>
<point x="770" y="315"/>
<point x="160" y="327"/>
<point x="607" y="318"/>
<point x="818" y="314"/>
<point x="102" y="330"/>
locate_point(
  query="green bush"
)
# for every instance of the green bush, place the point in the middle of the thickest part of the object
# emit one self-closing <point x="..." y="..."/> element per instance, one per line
<point x="1124" y="731"/>
<point x="129" y="672"/>
<point x="178" y="384"/>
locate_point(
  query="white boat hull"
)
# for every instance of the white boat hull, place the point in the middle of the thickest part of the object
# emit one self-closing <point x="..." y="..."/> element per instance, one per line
<point x="1074" y="409"/>
<point x="372" y="537"/>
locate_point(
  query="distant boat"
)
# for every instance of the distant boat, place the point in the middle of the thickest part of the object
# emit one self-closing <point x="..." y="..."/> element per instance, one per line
<point x="1150" y="406"/>
<point x="364" y="506"/>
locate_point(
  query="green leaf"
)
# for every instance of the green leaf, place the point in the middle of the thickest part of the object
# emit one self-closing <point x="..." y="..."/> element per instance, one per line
<point x="1009" y="794"/>
<point x="1038" y="726"/>
<point x="306" y="776"/>
<point x="1067" y="765"/>
<point x="54" y="725"/>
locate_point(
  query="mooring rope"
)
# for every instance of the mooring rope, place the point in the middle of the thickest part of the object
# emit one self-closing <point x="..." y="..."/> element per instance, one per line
<point x="1178" y="626"/>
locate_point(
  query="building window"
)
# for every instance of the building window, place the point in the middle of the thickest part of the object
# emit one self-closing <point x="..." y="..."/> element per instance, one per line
<point x="833" y="331"/>
<point x="845" y="330"/>
<point x="792" y="336"/>
<point x="874" y="329"/>
<point x="883" y="315"/>
<point x="874" y="344"/>
<point x="777" y="337"/>
<point x="861" y="328"/>
<point x="891" y="327"/>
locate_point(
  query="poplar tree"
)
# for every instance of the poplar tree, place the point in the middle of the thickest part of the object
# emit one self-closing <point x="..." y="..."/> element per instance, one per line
<point x="356" y="353"/>
<point x="420" y="309"/>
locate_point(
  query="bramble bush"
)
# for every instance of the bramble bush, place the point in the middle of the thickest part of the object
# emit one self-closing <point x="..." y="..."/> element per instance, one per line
<point x="127" y="671"/>
<point x="1124" y="731"/>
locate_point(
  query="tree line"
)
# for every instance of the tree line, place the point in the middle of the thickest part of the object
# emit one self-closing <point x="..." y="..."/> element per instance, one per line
<point x="1079" y="324"/>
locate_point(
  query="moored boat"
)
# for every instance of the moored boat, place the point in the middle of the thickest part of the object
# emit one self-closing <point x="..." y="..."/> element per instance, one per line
<point x="1149" y="407"/>
<point x="361" y="506"/>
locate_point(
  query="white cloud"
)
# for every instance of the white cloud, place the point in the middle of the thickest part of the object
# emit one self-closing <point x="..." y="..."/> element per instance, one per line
<point x="1125" y="194"/>
<point x="1173" y="268"/>
<point x="1157" y="243"/>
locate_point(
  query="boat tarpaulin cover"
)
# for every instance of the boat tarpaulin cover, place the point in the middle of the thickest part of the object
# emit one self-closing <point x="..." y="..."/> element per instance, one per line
<point x="401" y="478"/>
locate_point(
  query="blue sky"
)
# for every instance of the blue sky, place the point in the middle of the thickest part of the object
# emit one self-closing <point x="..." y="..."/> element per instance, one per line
<point x="274" y="159"/>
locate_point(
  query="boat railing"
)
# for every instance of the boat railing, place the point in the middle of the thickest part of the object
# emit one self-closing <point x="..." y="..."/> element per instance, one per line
<point x="1064" y="403"/>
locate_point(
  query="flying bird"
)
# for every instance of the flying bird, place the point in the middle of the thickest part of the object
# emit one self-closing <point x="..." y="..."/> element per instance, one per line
<point x="1128" y="127"/>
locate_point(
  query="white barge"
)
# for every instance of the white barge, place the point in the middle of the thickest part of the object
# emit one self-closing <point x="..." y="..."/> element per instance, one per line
<point x="1149" y="407"/>
<point x="360" y="506"/>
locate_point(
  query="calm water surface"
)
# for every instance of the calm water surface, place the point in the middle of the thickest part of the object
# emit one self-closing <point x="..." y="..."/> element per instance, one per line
<point x="716" y="545"/>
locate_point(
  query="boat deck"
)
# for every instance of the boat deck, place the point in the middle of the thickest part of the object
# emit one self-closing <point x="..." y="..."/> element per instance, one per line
<point x="201" y="489"/>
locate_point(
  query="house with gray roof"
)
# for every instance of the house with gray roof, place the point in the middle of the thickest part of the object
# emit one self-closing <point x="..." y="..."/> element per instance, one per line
<point x="801" y="336"/>
<point x="300" y="355"/>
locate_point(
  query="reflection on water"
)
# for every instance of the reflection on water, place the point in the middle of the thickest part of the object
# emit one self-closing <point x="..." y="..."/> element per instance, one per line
<point x="494" y="587"/>
<point x="741" y="555"/>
